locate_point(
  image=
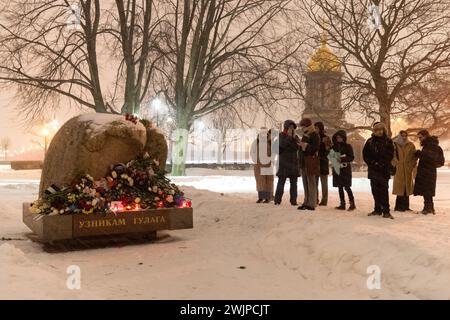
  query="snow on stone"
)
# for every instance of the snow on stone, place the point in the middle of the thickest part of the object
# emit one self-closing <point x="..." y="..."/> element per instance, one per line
<point x="101" y="122"/>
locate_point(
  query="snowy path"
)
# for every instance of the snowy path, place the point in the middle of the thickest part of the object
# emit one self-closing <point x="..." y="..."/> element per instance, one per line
<point x="286" y="253"/>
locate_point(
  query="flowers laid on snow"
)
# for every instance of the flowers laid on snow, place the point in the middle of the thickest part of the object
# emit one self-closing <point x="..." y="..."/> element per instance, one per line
<point x="140" y="184"/>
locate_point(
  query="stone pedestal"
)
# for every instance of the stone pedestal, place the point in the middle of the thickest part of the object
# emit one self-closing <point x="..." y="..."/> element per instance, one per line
<point x="77" y="226"/>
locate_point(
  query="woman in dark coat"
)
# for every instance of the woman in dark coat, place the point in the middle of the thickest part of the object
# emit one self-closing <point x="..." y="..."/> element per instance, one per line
<point x="288" y="166"/>
<point x="430" y="157"/>
<point x="341" y="156"/>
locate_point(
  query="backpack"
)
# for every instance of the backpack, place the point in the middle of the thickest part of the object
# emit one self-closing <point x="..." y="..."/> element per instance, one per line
<point x="439" y="161"/>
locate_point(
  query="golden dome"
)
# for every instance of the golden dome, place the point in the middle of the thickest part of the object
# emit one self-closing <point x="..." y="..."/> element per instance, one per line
<point x="324" y="59"/>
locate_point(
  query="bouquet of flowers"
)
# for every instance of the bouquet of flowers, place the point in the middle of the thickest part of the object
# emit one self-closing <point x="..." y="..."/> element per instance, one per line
<point x="140" y="184"/>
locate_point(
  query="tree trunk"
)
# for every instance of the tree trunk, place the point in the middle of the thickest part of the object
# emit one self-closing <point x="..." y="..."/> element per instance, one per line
<point x="385" y="117"/>
<point x="179" y="149"/>
<point x="382" y="94"/>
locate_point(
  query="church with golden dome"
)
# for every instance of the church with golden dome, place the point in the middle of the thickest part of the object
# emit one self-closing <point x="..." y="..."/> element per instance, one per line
<point x="324" y="87"/>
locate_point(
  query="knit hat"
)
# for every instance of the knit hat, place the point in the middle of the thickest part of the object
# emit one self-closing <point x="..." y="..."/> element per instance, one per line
<point x="305" y="122"/>
<point x="289" y="123"/>
<point x="379" y="126"/>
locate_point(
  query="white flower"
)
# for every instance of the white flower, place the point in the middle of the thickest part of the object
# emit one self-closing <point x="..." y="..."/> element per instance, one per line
<point x="114" y="174"/>
<point x="155" y="189"/>
<point x="55" y="211"/>
<point x="130" y="181"/>
<point x="169" y="198"/>
<point x="94" y="202"/>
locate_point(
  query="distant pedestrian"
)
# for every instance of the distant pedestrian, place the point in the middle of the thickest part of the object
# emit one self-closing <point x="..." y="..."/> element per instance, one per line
<point x="324" y="149"/>
<point x="341" y="157"/>
<point x="261" y="152"/>
<point x="378" y="153"/>
<point x="287" y="162"/>
<point x="430" y="157"/>
<point x="405" y="162"/>
<point x="310" y="163"/>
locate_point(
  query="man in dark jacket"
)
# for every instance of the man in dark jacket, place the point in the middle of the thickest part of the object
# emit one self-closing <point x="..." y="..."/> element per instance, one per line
<point x="378" y="153"/>
<point x="324" y="149"/>
<point x="310" y="163"/>
<point x="287" y="162"/>
<point x="430" y="157"/>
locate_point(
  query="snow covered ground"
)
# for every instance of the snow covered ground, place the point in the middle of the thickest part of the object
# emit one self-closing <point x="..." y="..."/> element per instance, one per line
<point x="239" y="249"/>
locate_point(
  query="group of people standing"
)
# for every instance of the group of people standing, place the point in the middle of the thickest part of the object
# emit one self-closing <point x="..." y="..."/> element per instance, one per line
<point x="306" y="151"/>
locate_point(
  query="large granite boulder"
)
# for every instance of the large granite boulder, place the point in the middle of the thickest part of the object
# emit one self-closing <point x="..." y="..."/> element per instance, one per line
<point x="156" y="146"/>
<point x="89" y="144"/>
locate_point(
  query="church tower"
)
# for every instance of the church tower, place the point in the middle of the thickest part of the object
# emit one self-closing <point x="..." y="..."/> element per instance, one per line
<point x="323" y="88"/>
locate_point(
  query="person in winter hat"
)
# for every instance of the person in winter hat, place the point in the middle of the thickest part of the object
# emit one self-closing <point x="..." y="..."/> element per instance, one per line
<point x="287" y="162"/>
<point x="341" y="157"/>
<point x="430" y="157"/>
<point x="310" y="163"/>
<point x="324" y="149"/>
<point x="378" y="153"/>
<point x="405" y="162"/>
<point x="262" y="146"/>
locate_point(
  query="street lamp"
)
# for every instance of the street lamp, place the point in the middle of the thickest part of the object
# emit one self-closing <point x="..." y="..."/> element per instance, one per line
<point x="45" y="134"/>
<point x="201" y="127"/>
<point x="157" y="103"/>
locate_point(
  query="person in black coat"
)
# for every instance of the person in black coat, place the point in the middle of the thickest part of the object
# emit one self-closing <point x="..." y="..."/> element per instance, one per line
<point x="430" y="157"/>
<point x="310" y="163"/>
<point x="288" y="164"/>
<point x="342" y="156"/>
<point x="378" y="153"/>
<point x="324" y="149"/>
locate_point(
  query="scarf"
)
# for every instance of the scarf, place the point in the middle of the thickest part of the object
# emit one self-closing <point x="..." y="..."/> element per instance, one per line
<point x="309" y="130"/>
<point x="401" y="141"/>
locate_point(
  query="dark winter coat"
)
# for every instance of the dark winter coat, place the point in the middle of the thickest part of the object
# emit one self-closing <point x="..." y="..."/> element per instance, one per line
<point x="324" y="150"/>
<point x="347" y="156"/>
<point x="309" y="158"/>
<point x="429" y="158"/>
<point x="288" y="156"/>
<point x="378" y="153"/>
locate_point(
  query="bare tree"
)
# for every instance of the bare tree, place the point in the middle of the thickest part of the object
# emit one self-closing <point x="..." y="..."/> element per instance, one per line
<point x="221" y="52"/>
<point x="382" y="61"/>
<point x="53" y="52"/>
<point x="428" y="105"/>
<point x="5" y="144"/>
<point x="223" y="122"/>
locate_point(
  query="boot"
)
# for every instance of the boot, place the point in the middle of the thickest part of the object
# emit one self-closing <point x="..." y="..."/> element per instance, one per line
<point x="352" y="205"/>
<point x="375" y="213"/>
<point x="341" y="206"/>
<point x="259" y="201"/>
<point x="387" y="215"/>
<point x="266" y="201"/>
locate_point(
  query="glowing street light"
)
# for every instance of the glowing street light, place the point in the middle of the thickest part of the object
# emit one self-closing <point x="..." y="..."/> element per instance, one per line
<point x="157" y="106"/>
